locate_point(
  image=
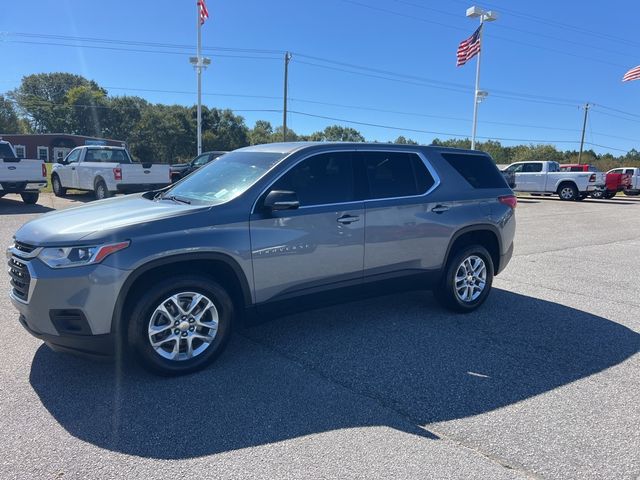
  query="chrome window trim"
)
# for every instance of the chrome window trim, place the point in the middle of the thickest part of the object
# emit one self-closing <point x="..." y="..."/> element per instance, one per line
<point x="423" y="158"/>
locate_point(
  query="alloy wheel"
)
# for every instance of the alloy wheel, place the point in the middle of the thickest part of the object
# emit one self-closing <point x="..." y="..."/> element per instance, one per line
<point x="470" y="279"/>
<point x="183" y="326"/>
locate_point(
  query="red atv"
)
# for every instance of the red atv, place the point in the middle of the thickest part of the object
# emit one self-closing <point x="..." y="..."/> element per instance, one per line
<point x="615" y="182"/>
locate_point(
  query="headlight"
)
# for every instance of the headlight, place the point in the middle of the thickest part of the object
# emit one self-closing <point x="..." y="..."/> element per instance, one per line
<point x="62" y="257"/>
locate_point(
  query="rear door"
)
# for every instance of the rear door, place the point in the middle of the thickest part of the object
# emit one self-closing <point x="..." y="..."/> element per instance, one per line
<point x="403" y="231"/>
<point x="319" y="244"/>
<point x="532" y="177"/>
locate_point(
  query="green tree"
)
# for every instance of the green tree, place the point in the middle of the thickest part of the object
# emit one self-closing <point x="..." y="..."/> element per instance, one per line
<point x="88" y="111"/>
<point x="123" y="115"/>
<point x="227" y="131"/>
<point x="337" y="133"/>
<point x="42" y="99"/>
<point x="262" y="132"/>
<point x="9" y="120"/>
<point x="401" y="140"/>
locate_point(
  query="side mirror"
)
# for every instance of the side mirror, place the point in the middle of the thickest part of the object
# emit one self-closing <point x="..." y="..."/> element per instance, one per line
<point x="281" y="200"/>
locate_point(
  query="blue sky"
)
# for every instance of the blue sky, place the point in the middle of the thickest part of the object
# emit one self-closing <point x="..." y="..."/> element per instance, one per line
<point x="538" y="65"/>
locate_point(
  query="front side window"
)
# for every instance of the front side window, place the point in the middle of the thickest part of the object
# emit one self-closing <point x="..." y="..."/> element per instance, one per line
<point x="323" y="179"/>
<point x="201" y="160"/>
<point x="396" y="174"/>
<point x="73" y="157"/>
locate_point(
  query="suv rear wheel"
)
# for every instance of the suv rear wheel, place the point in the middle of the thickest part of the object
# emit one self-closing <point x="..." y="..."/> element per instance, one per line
<point x="467" y="280"/>
<point x="180" y="325"/>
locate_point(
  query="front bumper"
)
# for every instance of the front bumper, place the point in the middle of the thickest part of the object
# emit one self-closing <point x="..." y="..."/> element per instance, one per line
<point x="71" y="308"/>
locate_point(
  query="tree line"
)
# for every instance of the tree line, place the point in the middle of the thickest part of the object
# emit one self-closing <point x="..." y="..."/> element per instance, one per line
<point x="68" y="103"/>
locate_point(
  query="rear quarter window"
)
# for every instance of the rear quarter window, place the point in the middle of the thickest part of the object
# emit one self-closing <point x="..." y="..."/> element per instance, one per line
<point x="478" y="170"/>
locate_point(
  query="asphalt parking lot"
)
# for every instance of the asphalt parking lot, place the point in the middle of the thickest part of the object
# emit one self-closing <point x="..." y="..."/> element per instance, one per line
<point x="543" y="381"/>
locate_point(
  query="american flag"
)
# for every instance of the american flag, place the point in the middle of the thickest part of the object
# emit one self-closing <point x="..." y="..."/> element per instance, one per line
<point x="633" y="74"/>
<point x="469" y="48"/>
<point x="204" y="13"/>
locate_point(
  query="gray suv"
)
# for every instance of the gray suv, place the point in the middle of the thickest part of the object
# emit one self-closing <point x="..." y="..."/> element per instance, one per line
<point x="168" y="274"/>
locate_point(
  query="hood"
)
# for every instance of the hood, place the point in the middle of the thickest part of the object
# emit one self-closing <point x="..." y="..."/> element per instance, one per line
<point x="105" y="216"/>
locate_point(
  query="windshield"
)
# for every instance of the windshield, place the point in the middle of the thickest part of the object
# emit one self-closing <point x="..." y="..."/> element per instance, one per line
<point x="226" y="178"/>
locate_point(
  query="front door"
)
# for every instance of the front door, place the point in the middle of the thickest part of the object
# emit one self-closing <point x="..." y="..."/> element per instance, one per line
<point x="320" y="243"/>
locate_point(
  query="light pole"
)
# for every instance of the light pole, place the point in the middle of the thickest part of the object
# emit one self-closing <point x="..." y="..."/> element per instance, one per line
<point x="478" y="95"/>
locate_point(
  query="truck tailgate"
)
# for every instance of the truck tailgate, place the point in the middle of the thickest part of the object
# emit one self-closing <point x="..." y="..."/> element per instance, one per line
<point x="137" y="174"/>
<point x="21" y="170"/>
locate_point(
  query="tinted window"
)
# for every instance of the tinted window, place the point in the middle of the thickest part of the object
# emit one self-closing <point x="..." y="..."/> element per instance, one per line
<point x="532" y="168"/>
<point x="514" y="168"/>
<point x="5" y="151"/>
<point x="201" y="160"/>
<point x="322" y="179"/>
<point x="396" y="174"/>
<point x="629" y="171"/>
<point x="478" y="170"/>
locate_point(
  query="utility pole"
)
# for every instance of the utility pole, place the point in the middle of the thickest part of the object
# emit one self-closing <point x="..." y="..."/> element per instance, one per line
<point x="287" y="58"/>
<point x="584" y="127"/>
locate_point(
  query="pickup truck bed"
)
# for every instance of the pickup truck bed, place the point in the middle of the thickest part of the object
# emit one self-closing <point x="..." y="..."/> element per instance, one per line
<point x="20" y="175"/>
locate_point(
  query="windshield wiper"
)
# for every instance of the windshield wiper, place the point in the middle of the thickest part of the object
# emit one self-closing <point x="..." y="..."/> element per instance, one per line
<point x="176" y="199"/>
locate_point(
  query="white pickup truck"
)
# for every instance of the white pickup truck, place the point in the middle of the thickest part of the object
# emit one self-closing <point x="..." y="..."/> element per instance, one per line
<point x="105" y="171"/>
<point x="21" y="175"/>
<point x="546" y="178"/>
<point x="634" y="188"/>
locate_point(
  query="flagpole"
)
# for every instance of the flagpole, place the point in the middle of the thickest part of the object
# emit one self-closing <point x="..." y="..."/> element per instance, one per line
<point x="477" y="89"/>
<point x="199" y="75"/>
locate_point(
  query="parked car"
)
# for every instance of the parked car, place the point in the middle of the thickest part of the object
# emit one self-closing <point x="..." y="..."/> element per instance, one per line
<point x="181" y="170"/>
<point x="634" y="172"/>
<point x="614" y="181"/>
<point x="105" y="171"/>
<point x="20" y="175"/>
<point x="169" y="273"/>
<point x="545" y="177"/>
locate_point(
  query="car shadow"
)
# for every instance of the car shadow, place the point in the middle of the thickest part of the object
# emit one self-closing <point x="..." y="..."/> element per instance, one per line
<point x="9" y="206"/>
<point x="398" y="361"/>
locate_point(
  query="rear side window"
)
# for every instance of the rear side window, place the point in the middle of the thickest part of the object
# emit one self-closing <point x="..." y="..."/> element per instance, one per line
<point x="396" y="174"/>
<point x="629" y="171"/>
<point x="478" y="170"/>
<point x="323" y="179"/>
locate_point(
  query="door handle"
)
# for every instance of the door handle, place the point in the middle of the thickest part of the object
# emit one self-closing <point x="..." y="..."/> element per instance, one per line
<point x="73" y="168"/>
<point x="347" y="219"/>
<point x="439" y="209"/>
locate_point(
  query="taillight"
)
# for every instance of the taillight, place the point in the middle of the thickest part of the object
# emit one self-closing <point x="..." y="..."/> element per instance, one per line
<point x="44" y="171"/>
<point x="117" y="173"/>
<point x="592" y="178"/>
<point x="509" y="200"/>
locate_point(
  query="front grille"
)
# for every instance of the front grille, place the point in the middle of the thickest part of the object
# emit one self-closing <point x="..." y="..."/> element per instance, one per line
<point x="20" y="278"/>
<point x="24" y="247"/>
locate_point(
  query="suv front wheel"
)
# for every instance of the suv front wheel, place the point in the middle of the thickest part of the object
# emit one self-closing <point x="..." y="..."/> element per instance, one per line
<point x="180" y="325"/>
<point x="467" y="280"/>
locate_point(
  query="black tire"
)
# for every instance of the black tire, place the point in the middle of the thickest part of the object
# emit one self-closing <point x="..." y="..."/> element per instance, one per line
<point x="446" y="291"/>
<point x="598" y="194"/>
<point x="568" y="192"/>
<point x="632" y="194"/>
<point x="58" y="189"/>
<point x="143" y="315"/>
<point x="101" y="191"/>
<point x="30" y="198"/>
<point x="581" y="197"/>
<point x="610" y="195"/>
